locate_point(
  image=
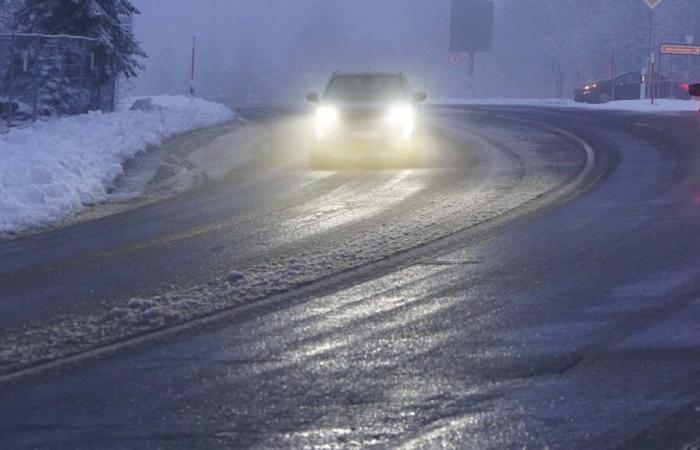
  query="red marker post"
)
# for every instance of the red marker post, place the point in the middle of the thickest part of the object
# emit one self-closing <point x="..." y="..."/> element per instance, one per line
<point x="194" y="54"/>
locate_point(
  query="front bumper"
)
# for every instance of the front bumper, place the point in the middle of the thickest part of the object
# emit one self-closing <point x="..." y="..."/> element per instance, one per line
<point x="582" y="96"/>
<point x="379" y="146"/>
<point x="367" y="136"/>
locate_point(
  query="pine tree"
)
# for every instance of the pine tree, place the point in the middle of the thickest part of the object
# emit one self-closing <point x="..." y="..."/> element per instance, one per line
<point x="53" y="89"/>
<point x="117" y="48"/>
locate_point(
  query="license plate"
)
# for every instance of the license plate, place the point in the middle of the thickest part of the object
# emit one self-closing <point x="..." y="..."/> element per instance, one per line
<point x="365" y="134"/>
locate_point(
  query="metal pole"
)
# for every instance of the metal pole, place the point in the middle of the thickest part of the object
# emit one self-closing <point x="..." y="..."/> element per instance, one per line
<point x="653" y="79"/>
<point x="651" y="29"/>
<point x="470" y="85"/>
<point x="672" y="83"/>
<point x="612" y="76"/>
<point x="11" y="80"/>
<point x="35" y="73"/>
<point x="651" y="53"/>
<point x="659" y="81"/>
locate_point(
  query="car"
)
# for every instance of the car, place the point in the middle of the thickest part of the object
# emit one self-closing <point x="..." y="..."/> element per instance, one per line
<point x="628" y="87"/>
<point x="366" y="115"/>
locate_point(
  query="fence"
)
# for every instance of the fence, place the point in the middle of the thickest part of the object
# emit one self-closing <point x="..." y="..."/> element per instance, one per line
<point x="47" y="75"/>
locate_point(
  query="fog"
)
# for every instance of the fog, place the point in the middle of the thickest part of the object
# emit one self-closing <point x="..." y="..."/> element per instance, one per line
<point x="278" y="50"/>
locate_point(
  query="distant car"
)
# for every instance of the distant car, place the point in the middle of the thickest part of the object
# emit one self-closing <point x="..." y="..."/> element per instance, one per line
<point x="363" y="115"/>
<point x="628" y="87"/>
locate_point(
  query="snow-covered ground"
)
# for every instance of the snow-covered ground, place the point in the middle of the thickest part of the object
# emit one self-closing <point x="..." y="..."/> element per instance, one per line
<point x="661" y="105"/>
<point x="51" y="169"/>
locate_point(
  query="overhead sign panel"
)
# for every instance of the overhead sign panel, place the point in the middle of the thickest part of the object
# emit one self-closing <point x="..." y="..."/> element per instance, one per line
<point x="680" y="49"/>
<point x="471" y="26"/>
<point x="653" y="3"/>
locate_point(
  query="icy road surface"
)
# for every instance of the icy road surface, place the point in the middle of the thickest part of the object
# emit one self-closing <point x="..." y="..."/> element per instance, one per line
<point x="522" y="289"/>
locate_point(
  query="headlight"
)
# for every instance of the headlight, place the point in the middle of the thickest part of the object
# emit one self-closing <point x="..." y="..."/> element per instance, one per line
<point x="326" y="116"/>
<point x="403" y="117"/>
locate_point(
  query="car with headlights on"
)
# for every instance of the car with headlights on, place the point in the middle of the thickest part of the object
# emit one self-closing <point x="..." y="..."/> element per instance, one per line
<point x="628" y="86"/>
<point x="366" y="115"/>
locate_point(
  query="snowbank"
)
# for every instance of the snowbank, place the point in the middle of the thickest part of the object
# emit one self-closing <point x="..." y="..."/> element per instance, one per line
<point x="53" y="168"/>
<point x="662" y="105"/>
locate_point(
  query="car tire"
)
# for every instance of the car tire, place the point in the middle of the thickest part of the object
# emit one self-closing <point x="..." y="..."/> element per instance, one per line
<point x="603" y="97"/>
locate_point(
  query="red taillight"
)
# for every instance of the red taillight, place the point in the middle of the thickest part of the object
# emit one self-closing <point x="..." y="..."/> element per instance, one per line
<point x="685" y="86"/>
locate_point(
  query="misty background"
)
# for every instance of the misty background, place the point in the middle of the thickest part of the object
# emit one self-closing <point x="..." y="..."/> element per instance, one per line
<point x="275" y="51"/>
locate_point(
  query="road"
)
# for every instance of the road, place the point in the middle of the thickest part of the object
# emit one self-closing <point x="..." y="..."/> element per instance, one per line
<point x="535" y="284"/>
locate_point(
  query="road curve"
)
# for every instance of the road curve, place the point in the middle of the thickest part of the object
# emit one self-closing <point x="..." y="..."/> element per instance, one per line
<point x="528" y="312"/>
<point x="275" y="222"/>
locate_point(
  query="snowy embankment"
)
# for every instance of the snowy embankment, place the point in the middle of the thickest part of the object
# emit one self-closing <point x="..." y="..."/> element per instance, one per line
<point x="51" y="169"/>
<point x="661" y="105"/>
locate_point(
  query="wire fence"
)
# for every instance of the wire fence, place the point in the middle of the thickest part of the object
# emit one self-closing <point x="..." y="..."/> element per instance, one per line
<point x="51" y="75"/>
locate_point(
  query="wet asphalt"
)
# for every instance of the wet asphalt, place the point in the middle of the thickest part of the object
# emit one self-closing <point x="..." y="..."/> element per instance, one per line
<point x="573" y="324"/>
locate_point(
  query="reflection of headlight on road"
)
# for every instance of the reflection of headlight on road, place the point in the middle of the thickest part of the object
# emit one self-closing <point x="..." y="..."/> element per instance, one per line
<point x="326" y="116"/>
<point x="403" y="116"/>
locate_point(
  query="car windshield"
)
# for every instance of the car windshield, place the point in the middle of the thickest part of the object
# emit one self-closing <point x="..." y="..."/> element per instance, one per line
<point x="366" y="88"/>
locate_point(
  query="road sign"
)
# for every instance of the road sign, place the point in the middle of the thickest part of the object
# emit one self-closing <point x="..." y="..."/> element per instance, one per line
<point x="680" y="49"/>
<point x="471" y="26"/>
<point x="653" y="3"/>
<point x="454" y="59"/>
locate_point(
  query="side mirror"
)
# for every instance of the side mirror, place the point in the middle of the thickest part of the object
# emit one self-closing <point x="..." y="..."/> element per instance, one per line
<point x="313" y="98"/>
<point x="419" y="97"/>
<point x="694" y="90"/>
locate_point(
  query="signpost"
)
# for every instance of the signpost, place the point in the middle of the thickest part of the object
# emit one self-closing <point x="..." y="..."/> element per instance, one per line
<point x="677" y="50"/>
<point x="652" y="5"/>
<point x="471" y="32"/>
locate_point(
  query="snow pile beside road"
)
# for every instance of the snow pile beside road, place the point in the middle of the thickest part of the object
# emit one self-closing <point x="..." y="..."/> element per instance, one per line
<point x="661" y="105"/>
<point x="558" y="102"/>
<point x="51" y="169"/>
